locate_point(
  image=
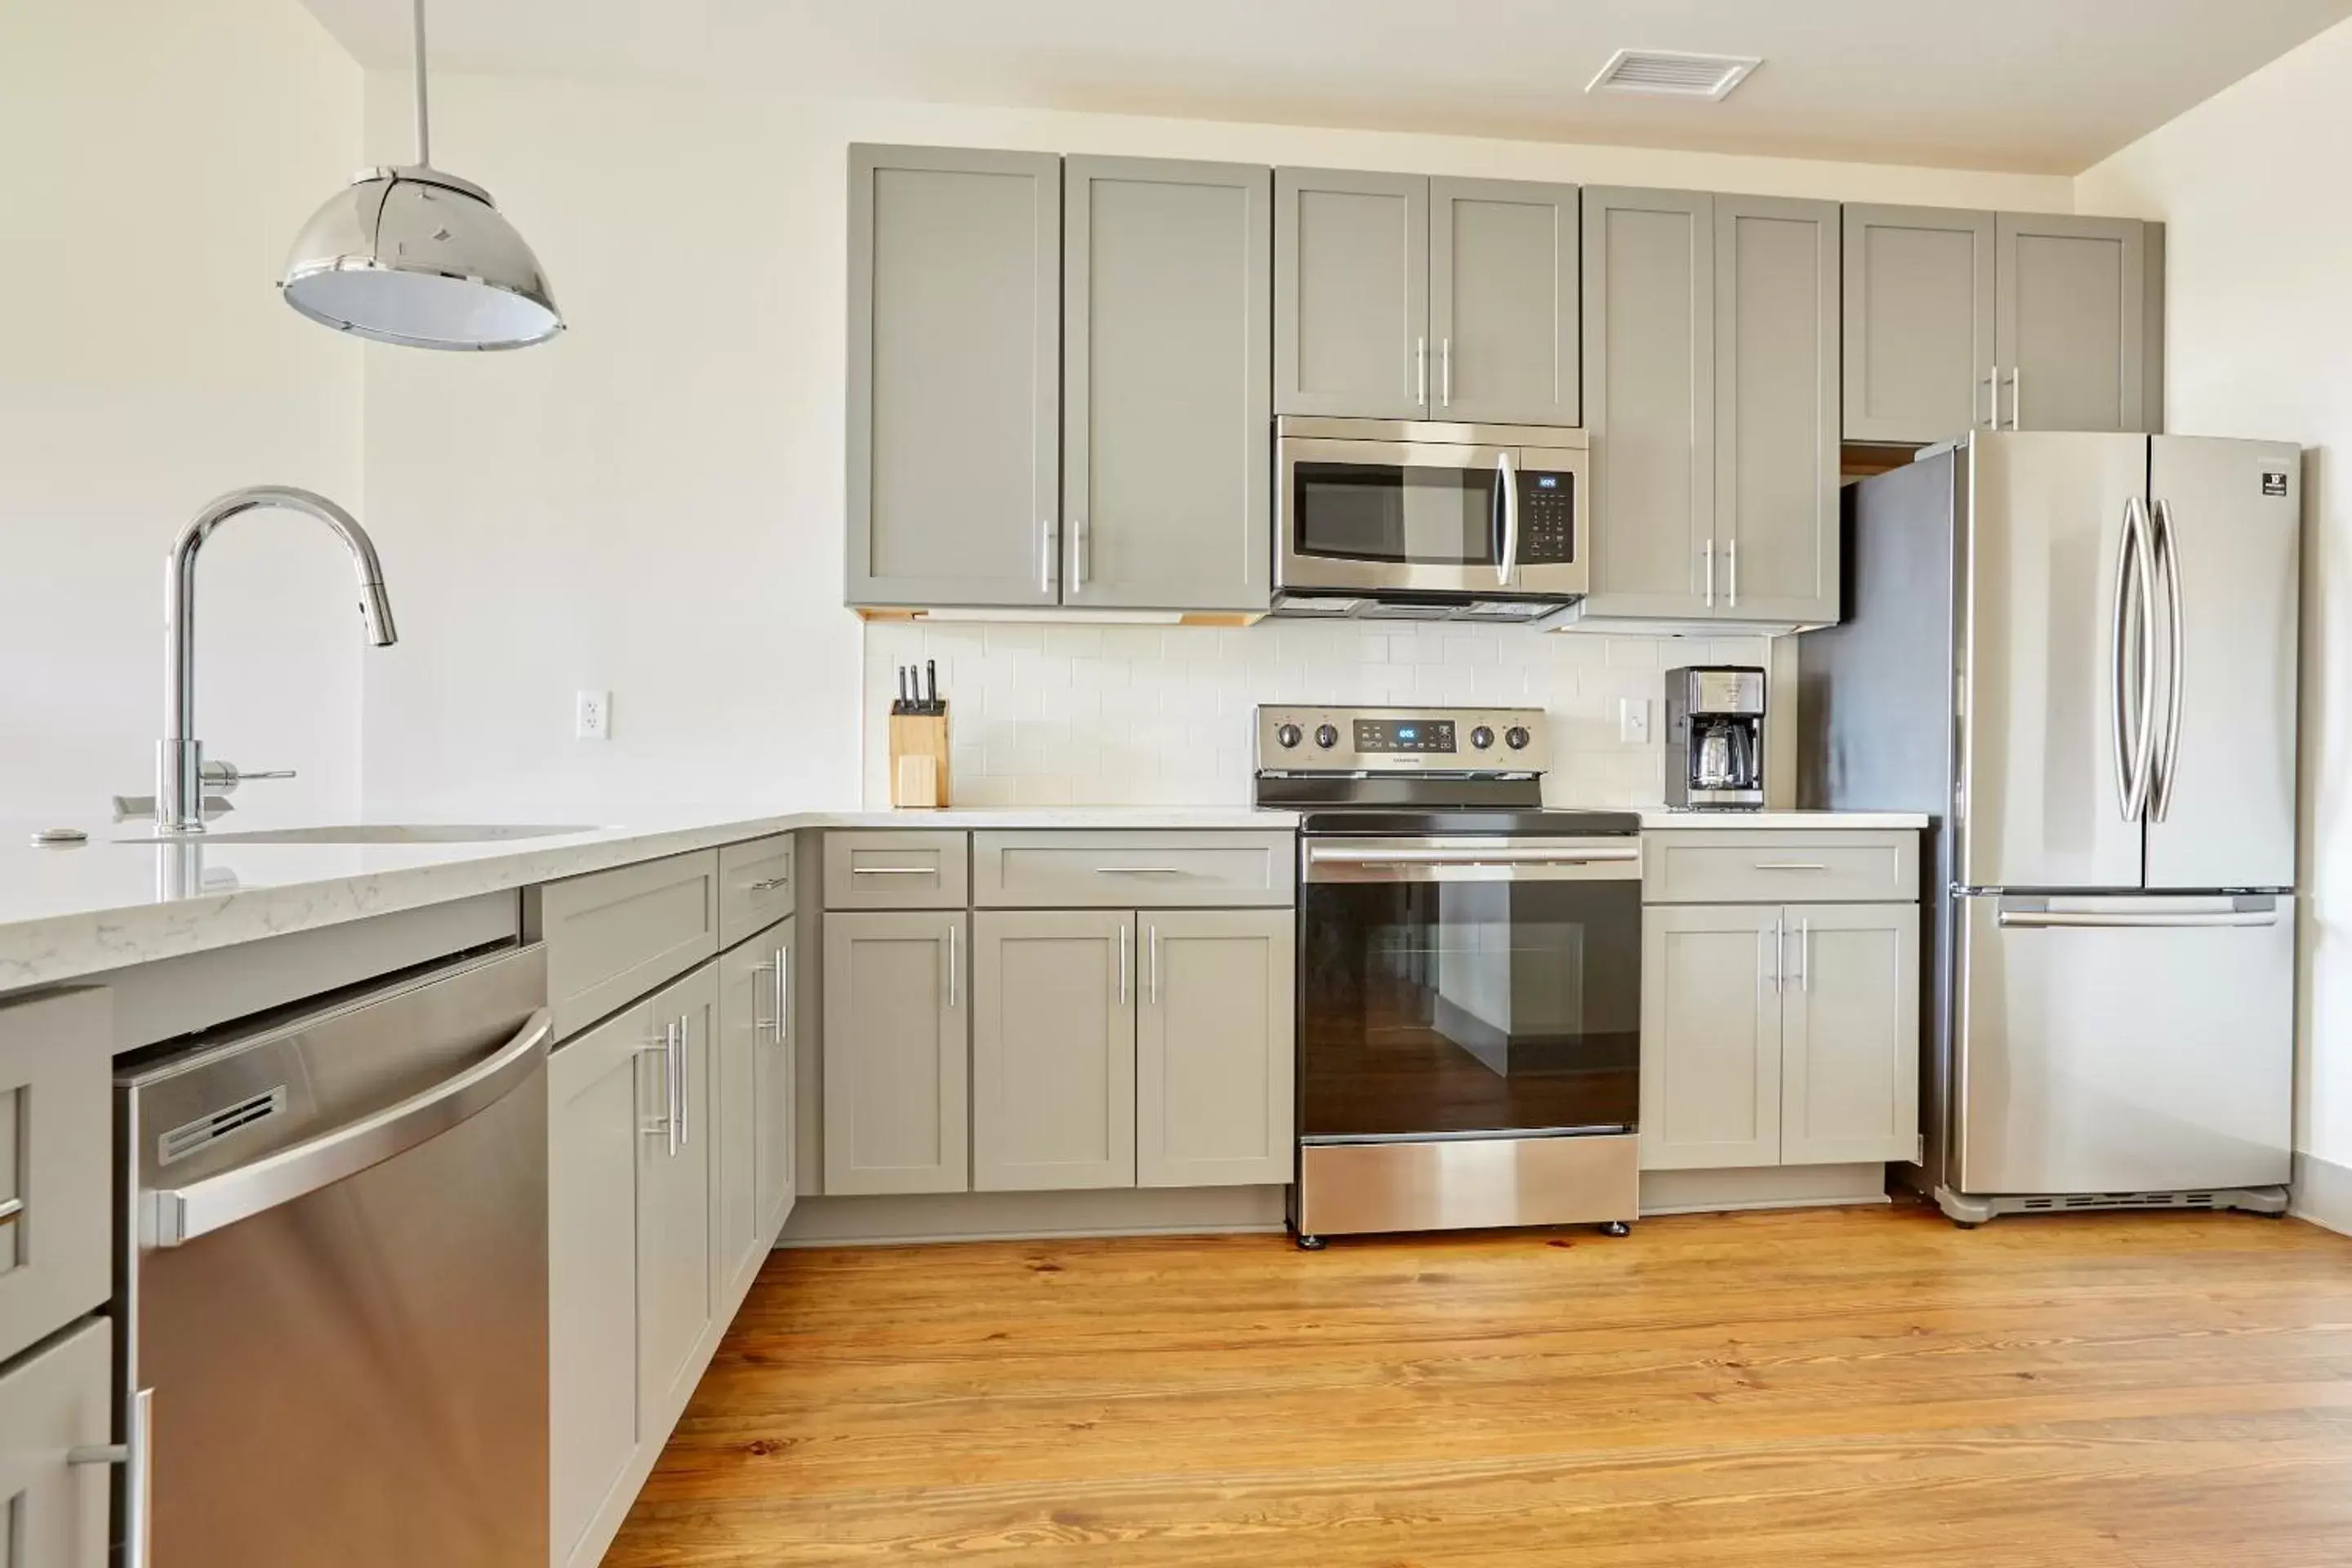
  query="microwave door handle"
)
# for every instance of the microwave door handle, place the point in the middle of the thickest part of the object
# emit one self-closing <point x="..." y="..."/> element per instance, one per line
<point x="1508" y="483"/>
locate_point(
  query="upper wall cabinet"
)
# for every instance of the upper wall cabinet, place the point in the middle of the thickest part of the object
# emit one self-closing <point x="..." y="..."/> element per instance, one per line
<point x="1400" y="296"/>
<point x="1957" y="321"/>
<point x="1711" y="395"/>
<point x="1166" y="427"/>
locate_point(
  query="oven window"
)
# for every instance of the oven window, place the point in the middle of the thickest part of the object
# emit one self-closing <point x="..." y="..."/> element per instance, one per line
<point x="1413" y="516"/>
<point x="1469" y="1007"/>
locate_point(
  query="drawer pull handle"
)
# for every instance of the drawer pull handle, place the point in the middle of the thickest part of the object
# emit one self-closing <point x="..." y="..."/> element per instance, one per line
<point x="768" y="884"/>
<point x="1139" y="871"/>
<point x="894" y="870"/>
<point x="11" y="1210"/>
<point x="1791" y="866"/>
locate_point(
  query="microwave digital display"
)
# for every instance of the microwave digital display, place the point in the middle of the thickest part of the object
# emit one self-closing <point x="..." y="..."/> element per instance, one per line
<point x="1404" y="735"/>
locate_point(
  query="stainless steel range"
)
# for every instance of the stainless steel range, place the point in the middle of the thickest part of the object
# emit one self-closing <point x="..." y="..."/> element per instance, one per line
<point x="1470" y="975"/>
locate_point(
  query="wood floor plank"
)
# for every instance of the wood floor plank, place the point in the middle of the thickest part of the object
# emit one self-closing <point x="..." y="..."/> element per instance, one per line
<point x="1833" y="1387"/>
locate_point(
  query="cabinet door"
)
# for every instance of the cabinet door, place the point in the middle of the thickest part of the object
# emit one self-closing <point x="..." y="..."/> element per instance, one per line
<point x="1849" y="1034"/>
<point x="598" y="1097"/>
<point x="677" y="1299"/>
<point x="1504" y="301"/>
<point x="954" y="375"/>
<point x="1215" y="1048"/>
<point x="1775" y="408"/>
<point x="1918" y="323"/>
<point x="1351" y="293"/>
<point x="895" y="1061"/>
<point x="1168" y="384"/>
<point x="2070" y="331"/>
<point x="1052" y="1049"/>
<point x="775" y="1078"/>
<point x="1649" y="400"/>
<point x="1710" y="1036"/>
<point x="55" y="1171"/>
<point x="746" y="1018"/>
<point x="53" y="1514"/>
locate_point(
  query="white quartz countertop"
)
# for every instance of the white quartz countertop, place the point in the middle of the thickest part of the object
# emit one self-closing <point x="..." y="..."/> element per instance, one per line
<point x="123" y="898"/>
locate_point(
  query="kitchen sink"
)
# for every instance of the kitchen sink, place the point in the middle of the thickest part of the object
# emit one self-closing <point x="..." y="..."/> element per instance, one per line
<point x="389" y="833"/>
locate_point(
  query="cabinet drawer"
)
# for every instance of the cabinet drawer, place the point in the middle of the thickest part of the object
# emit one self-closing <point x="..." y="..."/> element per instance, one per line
<point x="888" y="869"/>
<point x="1067" y="870"/>
<point x="55" y="1178"/>
<point x="1768" y="867"/>
<point x="755" y="885"/>
<point x="615" y="935"/>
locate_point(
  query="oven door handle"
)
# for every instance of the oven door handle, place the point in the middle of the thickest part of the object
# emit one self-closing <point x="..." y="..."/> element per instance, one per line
<point x="1512" y="854"/>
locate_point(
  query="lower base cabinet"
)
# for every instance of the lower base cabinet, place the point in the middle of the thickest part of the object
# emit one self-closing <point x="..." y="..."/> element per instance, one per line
<point x="751" y="1110"/>
<point x="1215" y="1048"/>
<point x="53" y="1512"/>
<point x="1781" y="1034"/>
<point x="896" y="1053"/>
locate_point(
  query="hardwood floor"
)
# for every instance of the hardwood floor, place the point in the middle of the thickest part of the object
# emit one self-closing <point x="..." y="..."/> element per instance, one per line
<point x="1838" y="1388"/>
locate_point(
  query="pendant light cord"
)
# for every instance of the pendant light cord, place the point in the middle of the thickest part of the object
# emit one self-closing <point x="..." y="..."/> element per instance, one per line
<point x="423" y="134"/>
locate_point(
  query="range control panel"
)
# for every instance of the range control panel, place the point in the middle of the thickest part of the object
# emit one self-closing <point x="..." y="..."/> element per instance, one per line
<point x="1547" y="519"/>
<point x="1402" y="739"/>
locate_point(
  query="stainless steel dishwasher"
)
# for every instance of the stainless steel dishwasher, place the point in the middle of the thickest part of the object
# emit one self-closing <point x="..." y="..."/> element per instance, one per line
<point x="334" y="1285"/>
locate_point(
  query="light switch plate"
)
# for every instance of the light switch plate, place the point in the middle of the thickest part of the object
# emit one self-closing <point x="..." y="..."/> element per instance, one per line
<point x="591" y="717"/>
<point x="1633" y="720"/>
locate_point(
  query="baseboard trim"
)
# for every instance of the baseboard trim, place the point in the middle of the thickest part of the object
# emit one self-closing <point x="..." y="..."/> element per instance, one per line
<point x="1762" y="1187"/>
<point x="904" y="1219"/>
<point x="2322" y="1193"/>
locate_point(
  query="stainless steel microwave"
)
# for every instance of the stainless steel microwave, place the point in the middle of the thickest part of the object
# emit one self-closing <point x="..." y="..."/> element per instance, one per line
<point x="1487" y="522"/>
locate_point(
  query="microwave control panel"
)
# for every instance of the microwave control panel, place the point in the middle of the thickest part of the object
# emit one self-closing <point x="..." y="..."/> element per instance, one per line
<point x="1547" y="519"/>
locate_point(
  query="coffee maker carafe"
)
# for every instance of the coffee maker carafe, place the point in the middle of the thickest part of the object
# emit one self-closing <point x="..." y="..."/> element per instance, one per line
<point x="1715" y="737"/>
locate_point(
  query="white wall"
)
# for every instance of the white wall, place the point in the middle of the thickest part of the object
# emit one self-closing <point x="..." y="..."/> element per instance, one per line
<point x="2259" y="343"/>
<point x="156" y="159"/>
<point x="653" y="504"/>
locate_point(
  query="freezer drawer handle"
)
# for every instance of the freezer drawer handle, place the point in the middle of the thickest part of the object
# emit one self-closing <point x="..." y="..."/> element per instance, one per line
<point x="178" y="1215"/>
<point x="2061" y="920"/>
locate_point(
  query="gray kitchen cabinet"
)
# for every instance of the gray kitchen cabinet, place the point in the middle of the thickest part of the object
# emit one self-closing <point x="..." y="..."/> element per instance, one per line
<point x="1504" y="301"/>
<point x="678" y="1303"/>
<point x="612" y="936"/>
<point x="1351" y="293"/>
<point x="1849" y="1009"/>
<point x="750" y="1110"/>
<point x="1649" y="400"/>
<point x="1710" y="1037"/>
<point x="53" y="1512"/>
<point x="1167" y="426"/>
<point x="776" y="1079"/>
<point x="1052" y="1049"/>
<point x="896" y="1057"/>
<point x="1215" y="1048"/>
<point x="1919" y="304"/>
<point x="1775" y="408"/>
<point x="2069" y="332"/>
<point x="56" y="1108"/>
<point x="954" y="376"/>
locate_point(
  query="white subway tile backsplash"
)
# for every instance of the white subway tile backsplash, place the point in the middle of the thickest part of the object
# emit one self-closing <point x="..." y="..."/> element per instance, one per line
<point x="1116" y="715"/>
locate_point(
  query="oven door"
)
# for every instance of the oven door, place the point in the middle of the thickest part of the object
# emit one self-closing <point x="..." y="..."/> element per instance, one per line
<point x="1464" y="987"/>
<point x="1428" y="516"/>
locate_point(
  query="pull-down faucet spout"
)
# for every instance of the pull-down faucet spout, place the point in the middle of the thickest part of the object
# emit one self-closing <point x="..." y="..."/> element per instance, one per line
<point x="180" y="757"/>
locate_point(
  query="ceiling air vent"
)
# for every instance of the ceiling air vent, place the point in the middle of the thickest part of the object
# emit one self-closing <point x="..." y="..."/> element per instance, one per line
<point x="1672" y="74"/>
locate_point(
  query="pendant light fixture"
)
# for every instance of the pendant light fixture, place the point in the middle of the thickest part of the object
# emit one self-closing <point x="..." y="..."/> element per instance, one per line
<point x="410" y="255"/>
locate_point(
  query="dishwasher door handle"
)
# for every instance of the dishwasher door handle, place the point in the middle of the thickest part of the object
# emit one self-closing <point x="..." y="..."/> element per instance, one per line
<point x="177" y="1214"/>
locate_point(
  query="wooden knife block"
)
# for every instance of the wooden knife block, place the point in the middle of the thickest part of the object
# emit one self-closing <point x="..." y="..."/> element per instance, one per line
<point x="919" y="759"/>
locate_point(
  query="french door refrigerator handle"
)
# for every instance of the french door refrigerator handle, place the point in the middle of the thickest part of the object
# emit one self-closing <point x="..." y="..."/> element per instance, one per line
<point x="2134" y="738"/>
<point x="179" y="1215"/>
<point x="2144" y="742"/>
<point x="2168" y="557"/>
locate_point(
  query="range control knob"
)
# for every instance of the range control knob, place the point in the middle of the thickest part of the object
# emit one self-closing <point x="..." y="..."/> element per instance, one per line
<point x="1326" y="736"/>
<point x="1482" y="737"/>
<point x="1517" y="738"/>
<point x="1288" y="735"/>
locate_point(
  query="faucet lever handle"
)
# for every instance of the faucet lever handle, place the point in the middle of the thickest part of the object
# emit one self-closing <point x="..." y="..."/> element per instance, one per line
<point x="226" y="776"/>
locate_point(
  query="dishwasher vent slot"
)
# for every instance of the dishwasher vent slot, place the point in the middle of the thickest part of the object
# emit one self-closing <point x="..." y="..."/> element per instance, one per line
<point x="206" y="1130"/>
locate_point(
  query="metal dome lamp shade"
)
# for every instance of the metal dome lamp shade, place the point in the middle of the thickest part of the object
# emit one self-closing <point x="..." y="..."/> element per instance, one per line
<point x="410" y="255"/>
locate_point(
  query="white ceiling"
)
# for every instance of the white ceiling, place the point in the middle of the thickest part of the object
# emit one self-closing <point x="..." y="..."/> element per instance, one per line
<point x="2038" y="86"/>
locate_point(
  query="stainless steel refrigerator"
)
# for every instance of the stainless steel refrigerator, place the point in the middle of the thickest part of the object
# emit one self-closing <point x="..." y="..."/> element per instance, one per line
<point x="2077" y="653"/>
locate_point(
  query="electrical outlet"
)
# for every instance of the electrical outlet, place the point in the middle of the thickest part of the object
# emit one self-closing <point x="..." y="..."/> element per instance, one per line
<point x="1633" y="720"/>
<point x="592" y="716"/>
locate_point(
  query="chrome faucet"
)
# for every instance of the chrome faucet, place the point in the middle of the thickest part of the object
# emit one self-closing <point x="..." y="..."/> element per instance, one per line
<point x="180" y="771"/>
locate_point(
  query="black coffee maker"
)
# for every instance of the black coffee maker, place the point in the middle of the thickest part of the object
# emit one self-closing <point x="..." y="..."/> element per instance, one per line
<point x="1715" y="737"/>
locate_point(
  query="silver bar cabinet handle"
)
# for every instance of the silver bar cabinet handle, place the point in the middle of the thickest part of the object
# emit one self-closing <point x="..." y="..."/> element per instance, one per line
<point x="1122" y="963"/>
<point x="11" y="1210"/>
<point x="1151" y="959"/>
<point x="1791" y="866"/>
<point x="677" y="1085"/>
<point x="1780" y="946"/>
<point x="136" y="1454"/>
<point x="1445" y="372"/>
<point x="1081" y="544"/>
<point x="1709" y="548"/>
<point x="783" y="994"/>
<point x="766" y="884"/>
<point x="955" y="981"/>
<point x="1992" y="381"/>
<point x="2167" y="557"/>
<point x="894" y="870"/>
<point x="1805" y="955"/>
<point x="1731" y="568"/>
<point x="1421" y="371"/>
<point x="1046" y="557"/>
<point x="659" y="1127"/>
<point x="2016" y="395"/>
<point x="1139" y="871"/>
<point x="766" y="1025"/>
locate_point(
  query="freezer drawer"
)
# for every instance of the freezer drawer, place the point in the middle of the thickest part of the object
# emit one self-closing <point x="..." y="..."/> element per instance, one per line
<point x="2124" y="1044"/>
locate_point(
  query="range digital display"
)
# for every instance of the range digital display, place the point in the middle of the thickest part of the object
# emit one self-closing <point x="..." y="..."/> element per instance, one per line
<point x="1415" y="735"/>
